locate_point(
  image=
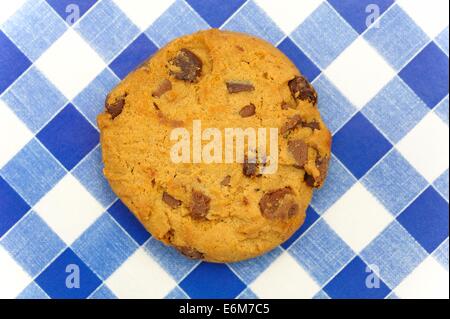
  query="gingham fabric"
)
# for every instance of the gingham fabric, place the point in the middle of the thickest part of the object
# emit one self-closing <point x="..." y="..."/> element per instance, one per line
<point x="379" y="227"/>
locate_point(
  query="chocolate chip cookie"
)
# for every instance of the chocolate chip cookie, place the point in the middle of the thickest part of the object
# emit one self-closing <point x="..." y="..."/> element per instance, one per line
<point x="215" y="210"/>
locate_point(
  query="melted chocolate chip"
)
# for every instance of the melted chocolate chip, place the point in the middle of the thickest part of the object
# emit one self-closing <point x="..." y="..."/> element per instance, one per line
<point x="170" y="200"/>
<point x="249" y="168"/>
<point x="248" y="110"/>
<point x="291" y="124"/>
<point x="314" y="125"/>
<point x="226" y="181"/>
<point x="236" y="86"/>
<point x="163" y="87"/>
<point x="278" y="204"/>
<point x="299" y="151"/>
<point x="190" y="252"/>
<point x="116" y="107"/>
<point x="322" y="166"/>
<point x="200" y="205"/>
<point x="301" y="89"/>
<point x="189" y="66"/>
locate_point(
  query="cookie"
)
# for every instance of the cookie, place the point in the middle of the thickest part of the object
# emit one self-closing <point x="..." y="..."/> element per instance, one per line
<point x="207" y="207"/>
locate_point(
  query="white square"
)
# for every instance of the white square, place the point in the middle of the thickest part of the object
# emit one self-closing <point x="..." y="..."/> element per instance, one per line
<point x="431" y="16"/>
<point x="426" y="147"/>
<point x="11" y="126"/>
<point x="13" y="279"/>
<point x="288" y="14"/>
<point x="285" y="278"/>
<point x="8" y="8"/>
<point x="70" y="63"/>
<point x="140" y="277"/>
<point x="143" y="13"/>
<point x="428" y="281"/>
<point x="357" y="217"/>
<point x="69" y="209"/>
<point x="359" y="72"/>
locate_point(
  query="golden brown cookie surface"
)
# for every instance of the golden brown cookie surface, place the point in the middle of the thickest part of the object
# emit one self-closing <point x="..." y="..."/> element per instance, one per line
<point x="220" y="212"/>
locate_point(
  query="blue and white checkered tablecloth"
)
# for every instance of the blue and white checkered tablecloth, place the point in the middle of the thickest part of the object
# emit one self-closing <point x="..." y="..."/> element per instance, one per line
<point x="379" y="227"/>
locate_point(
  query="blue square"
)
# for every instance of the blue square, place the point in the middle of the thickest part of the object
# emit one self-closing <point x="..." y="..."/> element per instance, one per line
<point x="12" y="62"/>
<point x="130" y="58"/>
<point x="213" y="281"/>
<point x="253" y="20"/>
<point x="34" y="28"/>
<point x="179" y="19"/>
<point x="441" y="184"/>
<point x="321" y="252"/>
<point x="395" y="110"/>
<point x="71" y="10"/>
<point x="397" y="37"/>
<point x="426" y="219"/>
<point x="441" y="254"/>
<point x="338" y="182"/>
<point x="69" y="136"/>
<point x="215" y="12"/>
<point x="359" y="13"/>
<point x="104" y="246"/>
<point x="176" y="293"/>
<point x="91" y="101"/>
<point x="249" y="270"/>
<point x="33" y="172"/>
<point x="33" y="291"/>
<point x="394" y="182"/>
<point x="359" y="145"/>
<point x="32" y="243"/>
<point x="442" y="40"/>
<point x="427" y="74"/>
<point x="303" y="63"/>
<point x="177" y="265"/>
<point x="107" y="29"/>
<point x="66" y="269"/>
<point x="90" y="173"/>
<point x="12" y="207"/>
<point x="23" y="95"/>
<point x="334" y="107"/>
<point x="395" y="253"/>
<point x="442" y="110"/>
<point x="323" y="35"/>
<point x="103" y="292"/>
<point x="351" y="283"/>
<point x="127" y="220"/>
<point x="311" y="217"/>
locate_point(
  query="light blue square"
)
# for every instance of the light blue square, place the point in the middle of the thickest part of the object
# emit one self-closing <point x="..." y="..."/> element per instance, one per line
<point x="394" y="182"/>
<point x="338" y="181"/>
<point x="103" y="293"/>
<point x="441" y="184"/>
<point x="90" y="173"/>
<point x="441" y="254"/>
<point x="176" y="293"/>
<point x="324" y="35"/>
<point x="32" y="243"/>
<point x="334" y="107"/>
<point x="321" y="295"/>
<point x="442" y="110"/>
<point x="91" y="101"/>
<point x="396" y="37"/>
<point x="33" y="291"/>
<point x="395" y="110"/>
<point x="104" y="246"/>
<point x="34" y="28"/>
<point x="249" y="270"/>
<point x="247" y="293"/>
<point x="253" y="20"/>
<point x="170" y="259"/>
<point x="179" y="19"/>
<point x="107" y="29"/>
<point x="321" y="252"/>
<point x="395" y="253"/>
<point x="34" y="99"/>
<point x="442" y="40"/>
<point x="33" y="172"/>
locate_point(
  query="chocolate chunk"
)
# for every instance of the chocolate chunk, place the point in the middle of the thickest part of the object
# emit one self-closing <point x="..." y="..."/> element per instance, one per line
<point x="291" y="124"/>
<point x="116" y="107"/>
<point x="163" y="87"/>
<point x="314" y="125"/>
<point x="299" y="151"/>
<point x="284" y="105"/>
<point x="322" y="166"/>
<point x="278" y="203"/>
<point x="170" y="200"/>
<point x="248" y="168"/>
<point x="236" y="87"/>
<point x="190" y="252"/>
<point x="189" y="65"/>
<point x="200" y="205"/>
<point x="301" y="89"/>
<point x="226" y="181"/>
<point x="247" y="110"/>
